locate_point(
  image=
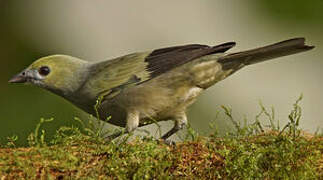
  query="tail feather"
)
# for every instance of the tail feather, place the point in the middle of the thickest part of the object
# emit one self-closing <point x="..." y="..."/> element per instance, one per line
<point x="236" y="60"/>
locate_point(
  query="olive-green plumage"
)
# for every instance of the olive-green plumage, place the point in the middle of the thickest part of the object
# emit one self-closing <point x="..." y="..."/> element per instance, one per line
<point x="142" y="88"/>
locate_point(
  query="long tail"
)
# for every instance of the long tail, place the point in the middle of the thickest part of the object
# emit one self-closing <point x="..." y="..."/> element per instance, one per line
<point x="235" y="61"/>
<point x="230" y="63"/>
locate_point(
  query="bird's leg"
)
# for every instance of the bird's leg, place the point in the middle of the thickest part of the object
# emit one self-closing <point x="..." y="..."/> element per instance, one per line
<point x="132" y="121"/>
<point x="180" y="122"/>
<point x="115" y="135"/>
<point x="132" y="124"/>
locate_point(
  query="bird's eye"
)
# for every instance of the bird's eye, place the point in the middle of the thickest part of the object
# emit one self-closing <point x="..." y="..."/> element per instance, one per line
<point x="44" y="70"/>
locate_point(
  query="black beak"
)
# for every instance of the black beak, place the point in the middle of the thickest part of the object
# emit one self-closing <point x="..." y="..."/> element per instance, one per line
<point x="19" y="78"/>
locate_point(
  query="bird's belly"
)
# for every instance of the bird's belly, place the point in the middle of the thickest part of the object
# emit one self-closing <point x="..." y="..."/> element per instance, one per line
<point x="113" y="113"/>
<point x="153" y="105"/>
<point x="180" y="102"/>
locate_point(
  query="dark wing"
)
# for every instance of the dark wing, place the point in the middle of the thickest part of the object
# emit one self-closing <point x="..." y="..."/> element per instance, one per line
<point x="111" y="77"/>
<point x="162" y="60"/>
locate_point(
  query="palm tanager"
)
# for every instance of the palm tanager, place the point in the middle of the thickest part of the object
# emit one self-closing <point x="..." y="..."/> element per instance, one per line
<point x="146" y="87"/>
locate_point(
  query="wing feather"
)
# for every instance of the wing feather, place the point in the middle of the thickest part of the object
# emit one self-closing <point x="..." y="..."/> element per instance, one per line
<point x="110" y="77"/>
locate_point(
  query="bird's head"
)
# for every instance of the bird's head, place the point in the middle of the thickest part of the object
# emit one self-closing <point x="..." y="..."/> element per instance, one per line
<point x="60" y="74"/>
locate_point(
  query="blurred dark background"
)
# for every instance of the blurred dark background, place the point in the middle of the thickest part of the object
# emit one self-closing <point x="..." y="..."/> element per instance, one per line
<point x="104" y="29"/>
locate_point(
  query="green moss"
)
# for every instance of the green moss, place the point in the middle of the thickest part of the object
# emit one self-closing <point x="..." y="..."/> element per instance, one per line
<point x="251" y="152"/>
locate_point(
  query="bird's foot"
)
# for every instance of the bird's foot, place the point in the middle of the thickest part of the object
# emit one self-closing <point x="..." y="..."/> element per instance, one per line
<point x="169" y="142"/>
<point x="115" y="135"/>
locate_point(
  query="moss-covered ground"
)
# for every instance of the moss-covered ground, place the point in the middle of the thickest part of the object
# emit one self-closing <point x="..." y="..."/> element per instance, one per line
<point x="250" y="152"/>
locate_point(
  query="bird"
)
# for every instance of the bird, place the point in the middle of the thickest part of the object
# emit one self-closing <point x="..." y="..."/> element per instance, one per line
<point x="147" y="87"/>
